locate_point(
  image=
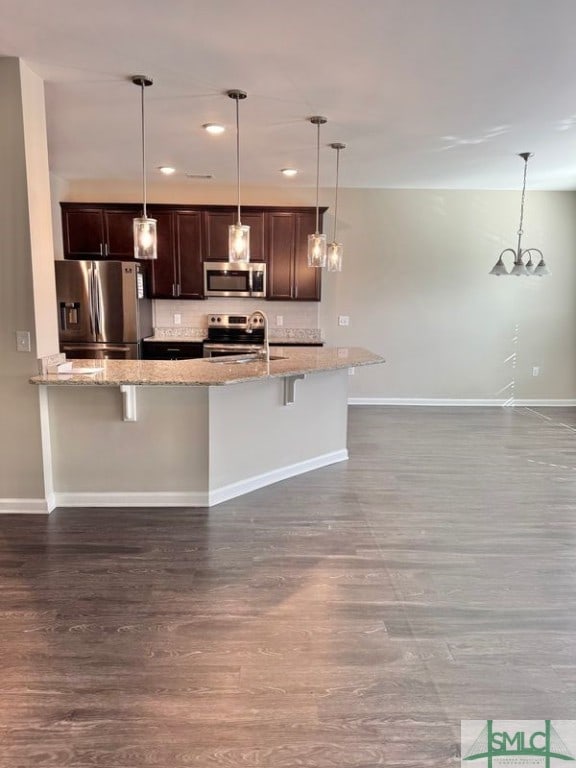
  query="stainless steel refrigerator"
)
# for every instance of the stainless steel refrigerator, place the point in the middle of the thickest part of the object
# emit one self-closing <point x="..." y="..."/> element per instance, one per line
<point x="102" y="309"/>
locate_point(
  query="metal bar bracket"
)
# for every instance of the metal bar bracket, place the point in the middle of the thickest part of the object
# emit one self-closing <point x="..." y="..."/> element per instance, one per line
<point x="289" y="382"/>
<point x="129" y="409"/>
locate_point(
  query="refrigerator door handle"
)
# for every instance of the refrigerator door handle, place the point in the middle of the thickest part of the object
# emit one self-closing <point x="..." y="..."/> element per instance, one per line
<point x="97" y="301"/>
<point x="91" y="299"/>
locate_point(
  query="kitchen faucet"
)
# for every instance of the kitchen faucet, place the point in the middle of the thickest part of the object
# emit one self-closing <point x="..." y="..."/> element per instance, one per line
<point x="265" y="354"/>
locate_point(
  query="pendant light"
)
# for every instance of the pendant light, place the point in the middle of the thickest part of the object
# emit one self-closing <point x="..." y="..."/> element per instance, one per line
<point x="238" y="234"/>
<point x="317" y="241"/>
<point x="335" y="249"/>
<point x="520" y="267"/>
<point x="144" y="229"/>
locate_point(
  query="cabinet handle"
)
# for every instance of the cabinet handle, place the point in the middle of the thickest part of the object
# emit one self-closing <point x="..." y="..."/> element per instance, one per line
<point x="174" y="289"/>
<point x="106" y="249"/>
<point x="101" y="250"/>
<point x="178" y="289"/>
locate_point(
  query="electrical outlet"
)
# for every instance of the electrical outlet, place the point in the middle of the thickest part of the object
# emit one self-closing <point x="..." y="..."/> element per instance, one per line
<point x="23" y="341"/>
<point x="343" y="320"/>
<point x="177" y="319"/>
<point x="342" y="352"/>
<point x="279" y="320"/>
<point x="351" y="371"/>
<point x="536" y="370"/>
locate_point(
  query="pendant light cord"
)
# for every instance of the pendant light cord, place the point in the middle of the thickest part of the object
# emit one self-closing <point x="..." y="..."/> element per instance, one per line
<point x="238" y="159"/>
<point x="520" y="230"/>
<point x="143" y="151"/>
<point x="336" y="192"/>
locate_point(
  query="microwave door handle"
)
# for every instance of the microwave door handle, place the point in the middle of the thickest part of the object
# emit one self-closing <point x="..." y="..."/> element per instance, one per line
<point x="250" y="282"/>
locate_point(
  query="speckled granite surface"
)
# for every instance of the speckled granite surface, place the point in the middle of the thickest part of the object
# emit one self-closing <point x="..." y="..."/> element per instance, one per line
<point x="203" y="372"/>
<point x="277" y="335"/>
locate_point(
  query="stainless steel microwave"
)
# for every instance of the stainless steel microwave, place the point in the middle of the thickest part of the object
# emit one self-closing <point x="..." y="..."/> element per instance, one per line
<point x="225" y="278"/>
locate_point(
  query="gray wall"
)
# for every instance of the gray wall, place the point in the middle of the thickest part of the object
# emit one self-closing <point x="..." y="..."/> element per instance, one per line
<point x="21" y="467"/>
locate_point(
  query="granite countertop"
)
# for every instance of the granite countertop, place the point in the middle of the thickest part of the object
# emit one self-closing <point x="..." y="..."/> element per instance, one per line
<point x="203" y="372"/>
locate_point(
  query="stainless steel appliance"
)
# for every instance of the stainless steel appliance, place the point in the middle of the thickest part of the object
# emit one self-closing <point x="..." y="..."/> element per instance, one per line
<point x="234" y="334"/>
<point x="244" y="279"/>
<point x="102" y="309"/>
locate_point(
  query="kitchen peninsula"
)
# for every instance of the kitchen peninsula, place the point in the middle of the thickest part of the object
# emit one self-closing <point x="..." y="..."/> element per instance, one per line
<point x="193" y="432"/>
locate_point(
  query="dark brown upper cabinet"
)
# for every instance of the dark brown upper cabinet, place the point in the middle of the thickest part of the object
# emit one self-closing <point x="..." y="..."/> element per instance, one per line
<point x="188" y="235"/>
<point x="216" y="223"/>
<point x="289" y="276"/>
<point x="98" y="231"/>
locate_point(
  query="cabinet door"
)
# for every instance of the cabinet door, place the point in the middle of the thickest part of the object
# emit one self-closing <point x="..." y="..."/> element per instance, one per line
<point x="162" y="273"/>
<point x="216" y="225"/>
<point x="119" y="237"/>
<point x="281" y="255"/>
<point x="307" y="280"/>
<point x="189" y="265"/>
<point x="83" y="233"/>
<point x="256" y="223"/>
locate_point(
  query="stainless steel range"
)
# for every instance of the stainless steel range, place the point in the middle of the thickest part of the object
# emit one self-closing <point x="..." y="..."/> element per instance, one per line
<point x="234" y="334"/>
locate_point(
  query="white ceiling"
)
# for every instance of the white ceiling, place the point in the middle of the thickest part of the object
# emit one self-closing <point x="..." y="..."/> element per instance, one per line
<point x="425" y="93"/>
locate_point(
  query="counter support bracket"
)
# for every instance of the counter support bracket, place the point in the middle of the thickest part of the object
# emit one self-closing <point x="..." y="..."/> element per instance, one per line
<point x="129" y="409"/>
<point x="289" y="383"/>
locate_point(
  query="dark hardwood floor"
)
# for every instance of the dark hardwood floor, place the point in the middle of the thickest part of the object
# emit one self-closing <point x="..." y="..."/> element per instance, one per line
<point x="349" y="617"/>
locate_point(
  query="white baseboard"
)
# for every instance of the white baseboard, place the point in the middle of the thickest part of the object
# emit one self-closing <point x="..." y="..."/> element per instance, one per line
<point x="189" y="499"/>
<point x="275" y="476"/>
<point x="26" y="506"/>
<point x="463" y="402"/>
<point x="133" y="499"/>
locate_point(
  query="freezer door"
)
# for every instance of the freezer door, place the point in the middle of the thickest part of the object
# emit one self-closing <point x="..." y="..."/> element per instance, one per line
<point x="101" y="351"/>
<point x="74" y="291"/>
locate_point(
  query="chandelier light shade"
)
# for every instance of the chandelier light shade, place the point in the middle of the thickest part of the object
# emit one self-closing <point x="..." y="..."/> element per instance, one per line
<point x="335" y="249"/>
<point x="523" y="265"/>
<point x="317" y="241"/>
<point x="238" y="234"/>
<point x="144" y="228"/>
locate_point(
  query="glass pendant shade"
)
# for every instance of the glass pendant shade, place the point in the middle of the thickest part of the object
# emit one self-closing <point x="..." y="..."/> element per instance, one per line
<point x="541" y="269"/>
<point x="334" y="257"/>
<point x="519" y="269"/>
<point x="316" y="250"/>
<point x="145" y="238"/>
<point x="238" y="242"/>
<point x="498" y="268"/>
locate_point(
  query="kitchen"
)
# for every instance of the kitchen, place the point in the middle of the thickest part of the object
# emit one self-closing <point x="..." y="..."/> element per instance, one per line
<point x="352" y="615"/>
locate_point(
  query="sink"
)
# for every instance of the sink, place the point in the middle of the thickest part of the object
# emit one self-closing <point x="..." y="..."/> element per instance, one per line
<point x="236" y="359"/>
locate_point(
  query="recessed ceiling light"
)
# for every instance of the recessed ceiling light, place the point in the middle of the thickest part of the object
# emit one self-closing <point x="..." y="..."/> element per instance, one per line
<point x="289" y="171"/>
<point x="214" y="128"/>
<point x="167" y="170"/>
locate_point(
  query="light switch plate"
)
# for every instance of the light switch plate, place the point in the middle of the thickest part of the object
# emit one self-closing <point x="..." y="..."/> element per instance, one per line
<point x="343" y="320"/>
<point x="23" y="341"/>
<point x="279" y="320"/>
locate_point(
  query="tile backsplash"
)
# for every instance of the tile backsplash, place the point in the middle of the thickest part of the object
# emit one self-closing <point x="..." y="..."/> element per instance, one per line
<point x="193" y="314"/>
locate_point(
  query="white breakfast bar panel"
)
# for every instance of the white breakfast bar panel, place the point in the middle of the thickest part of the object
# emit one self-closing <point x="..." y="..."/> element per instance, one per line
<point x="191" y="446"/>
<point x="204" y="432"/>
